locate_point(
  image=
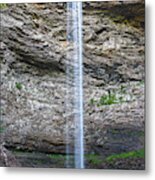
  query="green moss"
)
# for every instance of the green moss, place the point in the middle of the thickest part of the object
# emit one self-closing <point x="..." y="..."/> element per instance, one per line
<point x="18" y="85"/>
<point x="118" y="18"/>
<point x="132" y="154"/>
<point x="3" y="6"/>
<point x="93" y="159"/>
<point x="56" y="156"/>
<point x="108" y="99"/>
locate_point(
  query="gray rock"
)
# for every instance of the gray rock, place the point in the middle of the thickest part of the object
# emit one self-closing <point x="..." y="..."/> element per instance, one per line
<point x="33" y="60"/>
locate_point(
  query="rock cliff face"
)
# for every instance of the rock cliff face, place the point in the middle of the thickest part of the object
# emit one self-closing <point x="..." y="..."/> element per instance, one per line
<point x="33" y="57"/>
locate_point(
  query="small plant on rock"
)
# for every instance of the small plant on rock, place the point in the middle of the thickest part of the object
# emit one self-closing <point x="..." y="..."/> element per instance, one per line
<point x="18" y="85"/>
<point x="92" y="101"/>
<point x="108" y="99"/>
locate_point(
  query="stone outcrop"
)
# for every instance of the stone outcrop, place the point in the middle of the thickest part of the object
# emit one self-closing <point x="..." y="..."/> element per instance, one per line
<point x="33" y="58"/>
<point x="7" y="159"/>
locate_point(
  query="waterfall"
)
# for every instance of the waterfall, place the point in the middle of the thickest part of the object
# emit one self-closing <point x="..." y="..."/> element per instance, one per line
<point x="74" y="82"/>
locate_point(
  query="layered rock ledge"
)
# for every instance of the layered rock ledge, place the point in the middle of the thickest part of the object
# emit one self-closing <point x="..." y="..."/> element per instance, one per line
<point x="33" y="58"/>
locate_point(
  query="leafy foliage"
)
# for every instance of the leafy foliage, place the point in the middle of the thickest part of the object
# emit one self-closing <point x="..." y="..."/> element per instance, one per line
<point x="108" y="99"/>
<point x="18" y="85"/>
<point x="3" y="6"/>
<point x="93" y="159"/>
<point x="56" y="156"/>
<point x="134" y="154"/>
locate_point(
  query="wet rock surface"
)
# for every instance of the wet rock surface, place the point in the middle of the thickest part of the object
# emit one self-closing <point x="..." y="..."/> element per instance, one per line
<point x="33" y="57"/>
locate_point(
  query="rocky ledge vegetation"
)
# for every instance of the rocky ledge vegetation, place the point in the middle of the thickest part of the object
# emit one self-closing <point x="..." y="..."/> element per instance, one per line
<point x="33" y="57"/>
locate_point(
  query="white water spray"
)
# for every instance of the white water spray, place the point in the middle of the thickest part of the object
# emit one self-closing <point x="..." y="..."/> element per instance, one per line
<point x="74" y="96"/>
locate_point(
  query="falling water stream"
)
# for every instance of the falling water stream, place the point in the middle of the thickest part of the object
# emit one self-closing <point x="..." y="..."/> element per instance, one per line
<point x="74" y="96"/>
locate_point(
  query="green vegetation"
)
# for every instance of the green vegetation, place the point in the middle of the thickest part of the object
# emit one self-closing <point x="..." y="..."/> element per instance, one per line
<point x="142" y="82"/>
<point x="56" y="156"/>
<point x="112" y="97"/>
<point x="121" y="19"/>
<point x="59" y="159"/>
<point x="118" y="18"/>
<point x="122" y="89"/>
<point x="108" y="99"/>
<point x="3" y="6"/>
<point x="18" y="85"/>
<point x="92" y="101"/>
<point x="1" y="129"/>
<point x="132" y="154"/>
<point x="93" y="159"/>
